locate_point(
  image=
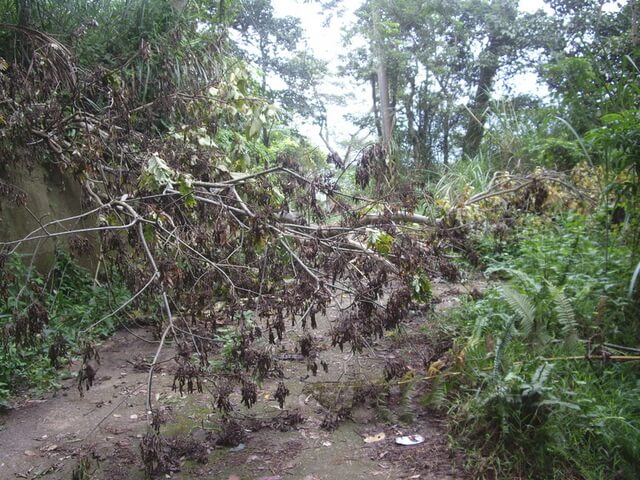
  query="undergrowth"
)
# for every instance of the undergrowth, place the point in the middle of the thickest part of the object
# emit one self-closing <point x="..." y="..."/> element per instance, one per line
<point x="540" y="395"/>
<point x="42" y="317"/>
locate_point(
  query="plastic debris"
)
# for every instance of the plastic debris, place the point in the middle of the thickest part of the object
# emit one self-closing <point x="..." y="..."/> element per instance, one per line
<point x="410" y="440"/>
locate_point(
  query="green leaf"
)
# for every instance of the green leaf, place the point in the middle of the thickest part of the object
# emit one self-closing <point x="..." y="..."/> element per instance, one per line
<point x="157" y="174"/>
<point x="421" y="290"/>
<point x="256" y="125"/>
<point x="380" y="241"/>
<point x="185" y="187"/>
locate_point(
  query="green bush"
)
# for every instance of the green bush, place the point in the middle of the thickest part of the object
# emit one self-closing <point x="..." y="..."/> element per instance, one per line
<point x="41" y="318"/>
<point x="529" y="403"/>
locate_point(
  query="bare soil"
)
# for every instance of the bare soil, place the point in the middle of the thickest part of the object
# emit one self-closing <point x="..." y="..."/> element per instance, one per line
<point x="48" y="437"/>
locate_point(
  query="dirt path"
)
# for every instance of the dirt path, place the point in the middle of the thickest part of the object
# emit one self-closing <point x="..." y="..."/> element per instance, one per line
<point x="47" y="437"/>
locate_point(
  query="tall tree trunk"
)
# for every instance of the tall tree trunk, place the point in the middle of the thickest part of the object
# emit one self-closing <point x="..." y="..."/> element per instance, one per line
<point x="446" y="127"/>
<point x="24" y="11"/>
<point x="376" y="110"/>
<point x="411" y="120"/>
<point x="386" y="112"/>
<point x="475" y="128"/>
<point x="23" y="50"/>
<point x="264" y="58"/>
<point x="635" y="41"/>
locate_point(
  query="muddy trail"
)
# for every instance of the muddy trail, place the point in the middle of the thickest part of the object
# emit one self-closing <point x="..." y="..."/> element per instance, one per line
<point x="338" y="424"/>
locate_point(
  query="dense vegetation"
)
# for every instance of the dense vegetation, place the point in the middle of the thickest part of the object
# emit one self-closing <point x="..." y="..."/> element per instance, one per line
<point x="210" y="210"/>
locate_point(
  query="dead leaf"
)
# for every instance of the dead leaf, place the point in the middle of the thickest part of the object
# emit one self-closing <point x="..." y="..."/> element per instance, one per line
<point x="375" y="438"/>
<point x="435" y="368"/>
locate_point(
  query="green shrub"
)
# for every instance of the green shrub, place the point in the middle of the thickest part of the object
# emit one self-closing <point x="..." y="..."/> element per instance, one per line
<point x="529" y="403"/>
<point x="41" y="317"/>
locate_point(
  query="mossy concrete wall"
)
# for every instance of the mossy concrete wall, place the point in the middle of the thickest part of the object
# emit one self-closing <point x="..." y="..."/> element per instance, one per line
<point x="50" y="195"/>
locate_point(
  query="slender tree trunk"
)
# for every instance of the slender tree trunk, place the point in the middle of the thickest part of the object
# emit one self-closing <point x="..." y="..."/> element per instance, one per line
<point x="386" y="112"/>
<point x="22" y="49"/>
<point x="387" y="123"/>
<point x="263" y="86"/>
<point x="23" y="8"/>
<point x="445" y="135"/>
<point x="635" y="41"/>
<point x="411" y="121"/>
<point x="376" y="110"/>
<point x="385" y="105"/>
<point x="479" y="107"/>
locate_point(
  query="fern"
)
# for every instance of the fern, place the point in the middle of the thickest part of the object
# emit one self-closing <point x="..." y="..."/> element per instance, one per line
<point x="502" y="344"/>
<point x="540" y="377"/>
<point x="437" y="396"/>
<point x="525" y="278"/>
<point x="407" y="391"/>
<point x="523" y="308"/>
<point x="634" y="280"/>
<point x="565" y="314"/>
<point x="479" y="329"/>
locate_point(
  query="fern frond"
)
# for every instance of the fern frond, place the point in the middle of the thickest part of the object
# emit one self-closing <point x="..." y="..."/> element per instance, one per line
<point x="405" y="414"/>
<point x="523" y="308"/>
<point x="502" y="344"/>
<point x="565" y="314"/>
<point x="478" y="330"/>
<point x="634" y="280"/>
<point x="437" y="396"/>
<point x="525" y="278"/>
<point x="540" y="376"/>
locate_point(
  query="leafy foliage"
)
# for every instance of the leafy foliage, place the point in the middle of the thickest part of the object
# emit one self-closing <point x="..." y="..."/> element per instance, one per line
<point x="567" y="302"/>
<point x="41" y="318"/>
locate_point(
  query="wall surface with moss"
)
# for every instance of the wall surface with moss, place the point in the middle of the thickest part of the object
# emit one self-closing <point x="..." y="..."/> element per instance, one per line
<point x="45" y="194"/>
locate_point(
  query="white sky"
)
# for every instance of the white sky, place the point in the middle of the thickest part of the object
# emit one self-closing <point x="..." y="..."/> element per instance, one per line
<point x="326" y="43"/>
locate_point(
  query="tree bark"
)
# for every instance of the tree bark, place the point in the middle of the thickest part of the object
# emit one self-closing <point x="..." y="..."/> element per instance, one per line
<point x="411" y="120"/>
<point x="23" y="51"/>
<point x="635" y="41"/>
<point x="446" y="127"/>
<point x="386" y="112"/>
<point x="479" y="110"/>
<point x="264" y="59"/>
<point x="376" y="110"/>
